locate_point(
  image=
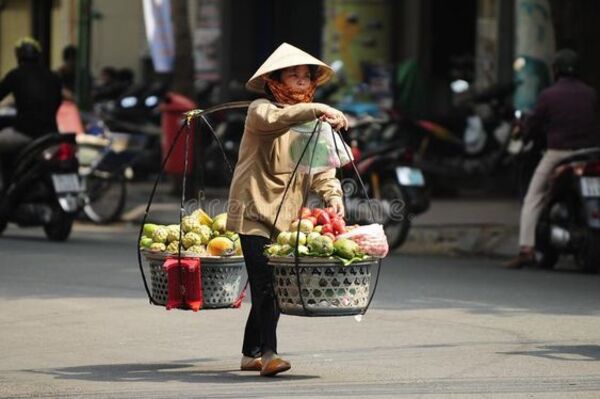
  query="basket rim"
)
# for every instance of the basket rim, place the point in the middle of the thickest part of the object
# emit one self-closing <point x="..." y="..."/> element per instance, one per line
<point x="154" y="255"/>
<point x="284" y="261"/>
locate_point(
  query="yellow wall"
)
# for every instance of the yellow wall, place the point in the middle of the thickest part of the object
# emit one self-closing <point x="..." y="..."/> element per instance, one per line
<point x="64" y="29"/>
<point x="15" y="22"/>
<point x="118" y="37"/>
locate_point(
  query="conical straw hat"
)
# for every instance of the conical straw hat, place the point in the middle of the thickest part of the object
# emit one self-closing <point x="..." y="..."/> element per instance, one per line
<point x="286" y="56"/>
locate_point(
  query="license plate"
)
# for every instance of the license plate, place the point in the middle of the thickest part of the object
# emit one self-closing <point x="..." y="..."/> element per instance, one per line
<point x="410" y="176"/>
<point x="590" y="186"/>
<point x="66" y="183"/>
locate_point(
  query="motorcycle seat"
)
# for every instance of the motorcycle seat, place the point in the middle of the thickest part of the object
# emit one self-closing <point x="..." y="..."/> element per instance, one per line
<point x="43" y="142"/>
<point x="584" y="154"/>
<point x="382" y="150"/>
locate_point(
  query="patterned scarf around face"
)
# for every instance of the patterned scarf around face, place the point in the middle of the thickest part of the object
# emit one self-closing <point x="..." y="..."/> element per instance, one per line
<point x="284" y="95"/>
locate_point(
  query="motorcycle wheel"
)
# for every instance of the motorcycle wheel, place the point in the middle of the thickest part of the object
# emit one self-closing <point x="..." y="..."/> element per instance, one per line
<point x="60" y="227"/>
<point x="546" y="256"/>
<point x="105" y="198"/>
<point x="396" y="231"/>
<point x="588" y="255"/>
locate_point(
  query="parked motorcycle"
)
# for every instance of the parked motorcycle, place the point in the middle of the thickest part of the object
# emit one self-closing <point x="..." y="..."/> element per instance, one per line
<point x="41" y="186"/>
<point x="570" y="220"/>
<point x="473" y="141"/>
<point x="137" y="112"/>
<point x="105" y="171"/>
<point x="392" y="180"/>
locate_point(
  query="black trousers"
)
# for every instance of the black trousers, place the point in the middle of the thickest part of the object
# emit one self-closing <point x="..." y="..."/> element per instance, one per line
<point x="260" y="333"/>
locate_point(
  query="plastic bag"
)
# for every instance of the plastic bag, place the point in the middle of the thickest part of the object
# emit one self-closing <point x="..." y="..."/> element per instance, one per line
<point x="370" y="238"/>
<point x="330" y="150"/>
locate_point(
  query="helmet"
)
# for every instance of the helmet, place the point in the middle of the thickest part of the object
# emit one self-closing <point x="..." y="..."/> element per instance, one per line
<point x="27" y="49"/>
<point x="566" y="62"/>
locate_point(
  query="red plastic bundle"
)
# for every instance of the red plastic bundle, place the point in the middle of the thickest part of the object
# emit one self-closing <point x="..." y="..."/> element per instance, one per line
<point x="185" y="283"/>
<point x="371" y="239"/>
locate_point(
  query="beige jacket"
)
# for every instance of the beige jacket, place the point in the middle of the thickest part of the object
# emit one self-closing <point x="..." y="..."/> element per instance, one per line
<point x="263" y="170"/>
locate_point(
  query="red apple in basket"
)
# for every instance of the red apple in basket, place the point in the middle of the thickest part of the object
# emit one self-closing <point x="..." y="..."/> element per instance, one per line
<point x="331" y="212"/>
<point x="323" y="218"/>
<point x="330" y="235"/>
<point x="317" y="211"/>
<point x="327" y="228"/>
<point x="304" y="213"/>
<point x="339" y="225"/>
<point x="312" y="219"/>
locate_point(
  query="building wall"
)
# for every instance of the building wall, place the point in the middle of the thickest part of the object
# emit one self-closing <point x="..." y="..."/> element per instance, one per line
<point x="63" y="30"/>
<point x="15" y="22"/>
<point x="118" y="37"/>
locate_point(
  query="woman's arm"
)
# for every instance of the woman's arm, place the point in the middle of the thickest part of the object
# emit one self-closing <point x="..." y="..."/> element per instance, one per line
<point x="267" y="119"/>
<point x="329" y="188"/>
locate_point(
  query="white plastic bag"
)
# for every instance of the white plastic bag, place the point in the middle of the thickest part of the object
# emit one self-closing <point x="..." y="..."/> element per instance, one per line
<point x="330" y="150"/>
<point x="370" y="238"/>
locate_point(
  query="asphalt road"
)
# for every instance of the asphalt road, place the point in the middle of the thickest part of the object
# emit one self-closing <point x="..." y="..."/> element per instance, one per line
<point x="75" y="323"/>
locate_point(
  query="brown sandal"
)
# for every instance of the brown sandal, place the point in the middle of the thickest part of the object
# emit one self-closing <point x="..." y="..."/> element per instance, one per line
<point x="252" y="364"/>
<point x="275" y="366"/>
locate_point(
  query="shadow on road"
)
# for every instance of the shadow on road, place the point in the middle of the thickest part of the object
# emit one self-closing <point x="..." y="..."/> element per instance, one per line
<point x="589" y="353"/>
<point x="197" y="372"/>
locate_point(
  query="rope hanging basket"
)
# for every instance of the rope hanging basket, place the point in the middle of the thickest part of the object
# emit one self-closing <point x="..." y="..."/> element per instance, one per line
<point x="325" y="285"/>
<point x="221" y="277"/>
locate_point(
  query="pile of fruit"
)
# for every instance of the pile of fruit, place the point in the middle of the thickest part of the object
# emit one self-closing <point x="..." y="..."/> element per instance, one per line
<point x="200" y="235"/>
<point x="317" y="232"/>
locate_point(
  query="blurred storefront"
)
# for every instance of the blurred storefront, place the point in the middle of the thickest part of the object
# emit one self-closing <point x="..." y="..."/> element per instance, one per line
<point x="117" y="37"/>
<point x="377" y="40"/>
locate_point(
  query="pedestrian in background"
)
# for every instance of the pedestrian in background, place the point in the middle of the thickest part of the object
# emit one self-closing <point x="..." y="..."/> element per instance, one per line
<point x="68" y="72"/>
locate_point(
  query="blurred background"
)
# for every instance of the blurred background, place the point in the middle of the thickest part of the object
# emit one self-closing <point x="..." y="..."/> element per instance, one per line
<point x="443" y="81"/>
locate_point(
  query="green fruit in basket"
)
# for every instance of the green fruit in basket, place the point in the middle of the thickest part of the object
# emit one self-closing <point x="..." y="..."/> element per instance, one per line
<point x="205" y="234"/>
<point x="197" y="249"/>
<point x="160" y="234"/>
<point x="237" y="246"/>
<point x="284" y="238"/>
<point x="145" y="242"/>
<point x="306" y="226"/>
<point x="158" y="247"/>
<point x="220" y="223"/>
<point x="173" y="233"/>
<point x="285" y="250"/>
<point x="173" y="247"/>
<point x="272" y="250"/>
<point x="321" y="246"/>
<point x="149" y="229"/>
<point x="302" y="250"/>
<point x="232" y="235"/>
<point x="300" y="236"/>
<point x="346" y="248"/>
<point x="312" y="236"/>
<point x="191" y="239"/>
<point x="189" y="223"/>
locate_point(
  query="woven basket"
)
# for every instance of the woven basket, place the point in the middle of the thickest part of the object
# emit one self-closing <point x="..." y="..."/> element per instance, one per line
<point x="328" y="287"/>
<point x="221" y="278"/>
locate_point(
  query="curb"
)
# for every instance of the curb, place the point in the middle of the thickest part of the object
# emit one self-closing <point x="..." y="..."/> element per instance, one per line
<point x="456" y="240"/>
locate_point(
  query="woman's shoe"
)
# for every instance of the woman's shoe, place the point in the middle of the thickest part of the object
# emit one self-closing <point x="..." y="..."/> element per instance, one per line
<point x="251" y="363"/>
<point x="274" y="366"/>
